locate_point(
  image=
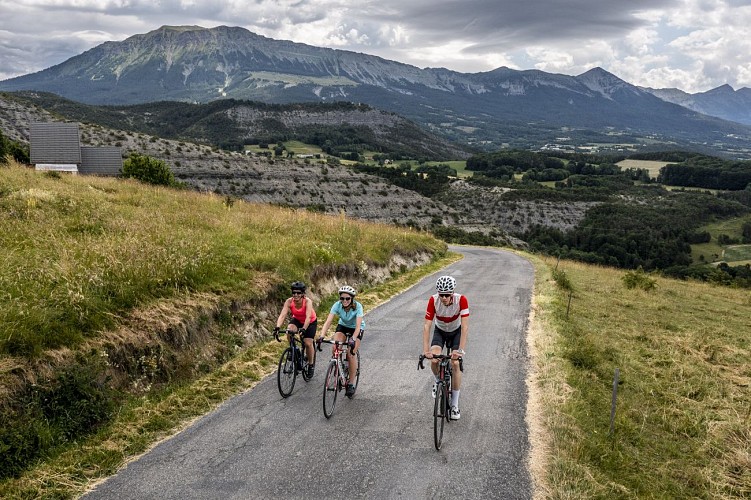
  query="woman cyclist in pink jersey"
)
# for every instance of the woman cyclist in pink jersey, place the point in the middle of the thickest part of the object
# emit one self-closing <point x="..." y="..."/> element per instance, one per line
<point x="303" y="317"/>
<point x="450" y="313"/>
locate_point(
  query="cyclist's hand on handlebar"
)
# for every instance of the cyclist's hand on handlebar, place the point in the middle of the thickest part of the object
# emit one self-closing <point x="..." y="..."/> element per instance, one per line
<point x="276" y="333"/>
<point x="428" y="355"/>
<point x="318" y="343"/>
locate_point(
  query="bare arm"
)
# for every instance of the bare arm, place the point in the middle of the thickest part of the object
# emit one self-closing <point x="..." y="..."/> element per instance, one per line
<point x="326" y="325"/>
<point x="426" y="337"/>
<point x="465" y="332"/>
<point x="283" y="314"/>
<point x="308" y="314"/>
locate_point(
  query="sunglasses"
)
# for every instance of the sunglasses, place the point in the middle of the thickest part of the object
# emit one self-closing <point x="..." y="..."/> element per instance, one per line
<point x="445" y="295"/>
<point x="345" y="299"/>
<point x="296" y="293"/>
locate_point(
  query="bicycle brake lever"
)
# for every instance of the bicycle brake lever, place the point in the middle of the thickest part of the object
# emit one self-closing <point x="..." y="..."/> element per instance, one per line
<point x="419" y="363"/>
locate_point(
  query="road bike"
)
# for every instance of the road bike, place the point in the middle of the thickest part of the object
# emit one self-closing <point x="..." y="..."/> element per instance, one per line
<point x="442" y="404"/>
<point x="293" y="360"/>
<point x="337" y="373"/>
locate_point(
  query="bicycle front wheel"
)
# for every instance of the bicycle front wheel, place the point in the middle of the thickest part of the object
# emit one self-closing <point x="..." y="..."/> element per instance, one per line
<point x="439" y="415"/>
<point x="330" y="389"/>
<point x="286" y="373"/>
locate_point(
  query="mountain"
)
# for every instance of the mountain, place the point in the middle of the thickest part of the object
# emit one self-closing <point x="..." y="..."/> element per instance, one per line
<point x="503" y="107"/>
<point x="721" y="102"/>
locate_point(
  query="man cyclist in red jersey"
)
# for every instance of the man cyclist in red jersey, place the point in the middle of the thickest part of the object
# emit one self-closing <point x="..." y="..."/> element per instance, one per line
<point x="300" y="307"/>
<point x="450" y="313"/>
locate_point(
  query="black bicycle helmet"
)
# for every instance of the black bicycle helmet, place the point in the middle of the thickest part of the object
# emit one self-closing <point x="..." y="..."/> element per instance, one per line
<point x="298" y="286"/>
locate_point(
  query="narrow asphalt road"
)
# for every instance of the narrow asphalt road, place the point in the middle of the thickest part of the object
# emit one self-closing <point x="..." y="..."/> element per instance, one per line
<point x="379" y="444"/>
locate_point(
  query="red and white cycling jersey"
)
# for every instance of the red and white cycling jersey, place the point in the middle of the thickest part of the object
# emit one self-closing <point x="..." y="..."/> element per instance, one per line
<point x="447" y="317"/>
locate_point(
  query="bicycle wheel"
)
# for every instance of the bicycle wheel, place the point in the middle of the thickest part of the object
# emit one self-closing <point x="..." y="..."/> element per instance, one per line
<point x="286" y="373"/>
<point x="330" y="389"/>
<point x="439" y="414"/>
<point x="306" y="363"/>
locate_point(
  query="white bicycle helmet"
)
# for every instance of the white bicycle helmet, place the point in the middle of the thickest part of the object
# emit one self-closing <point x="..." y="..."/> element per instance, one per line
<point x="347" y="289"/>
<point x="445" y="284"/>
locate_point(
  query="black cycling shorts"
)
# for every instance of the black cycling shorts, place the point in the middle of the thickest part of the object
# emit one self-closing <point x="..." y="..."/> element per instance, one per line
<point x="441" y="338"/>
<point x="349" y="331"/>
<point x="310" y="333"/>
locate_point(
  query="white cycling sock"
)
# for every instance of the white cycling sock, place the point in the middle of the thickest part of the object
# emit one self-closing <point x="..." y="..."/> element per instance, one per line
<point x="455" y="398"/>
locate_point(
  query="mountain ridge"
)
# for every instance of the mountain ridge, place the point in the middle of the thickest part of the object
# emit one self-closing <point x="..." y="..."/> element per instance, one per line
<point x="527" y="108"/>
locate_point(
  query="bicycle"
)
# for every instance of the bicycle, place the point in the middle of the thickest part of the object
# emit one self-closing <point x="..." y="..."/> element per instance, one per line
<point x="337" y="373"/>
<point x="442" y="405"/>
<point x="293" y="360"/>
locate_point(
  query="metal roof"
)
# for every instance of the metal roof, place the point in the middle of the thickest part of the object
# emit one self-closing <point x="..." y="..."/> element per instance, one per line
<point x="101" y="161"/>
<point x="55" y="143"/>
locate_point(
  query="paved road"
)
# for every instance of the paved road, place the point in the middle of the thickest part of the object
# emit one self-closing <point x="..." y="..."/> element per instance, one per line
<point x="379" y="444"/>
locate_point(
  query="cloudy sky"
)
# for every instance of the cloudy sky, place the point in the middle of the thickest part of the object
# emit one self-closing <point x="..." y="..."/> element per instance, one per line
<point x="693" y="45"/>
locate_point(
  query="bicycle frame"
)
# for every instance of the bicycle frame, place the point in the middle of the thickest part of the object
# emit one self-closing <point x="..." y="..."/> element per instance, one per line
<point x="337" y="375"/>
<point x="441" y="413"/>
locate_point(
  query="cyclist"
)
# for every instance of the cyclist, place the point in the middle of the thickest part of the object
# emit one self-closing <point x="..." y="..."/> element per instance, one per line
<point x="351" y="327"/>
<point x="450" y="313"/>
<point x="300" y="307"/>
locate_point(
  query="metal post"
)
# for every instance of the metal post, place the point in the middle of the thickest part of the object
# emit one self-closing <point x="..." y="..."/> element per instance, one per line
<point x="612" y="402"/>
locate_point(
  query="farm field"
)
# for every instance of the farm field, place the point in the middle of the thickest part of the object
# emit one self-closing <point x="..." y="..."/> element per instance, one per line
<point x="714" y="252"/>
<point x="652" y="166"/>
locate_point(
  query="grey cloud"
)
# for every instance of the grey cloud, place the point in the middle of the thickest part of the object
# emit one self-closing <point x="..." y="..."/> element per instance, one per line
<point x="507" y="24"/>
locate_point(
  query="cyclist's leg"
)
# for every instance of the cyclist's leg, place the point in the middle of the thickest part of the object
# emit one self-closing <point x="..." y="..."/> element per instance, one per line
<point x="292" y="327"/>
<point x="456" y="373"/>
<point x="339" y="336"/>
<point x="308" y="337"/>
<point x="436" y="346"/>
<point x="353" y="363"/>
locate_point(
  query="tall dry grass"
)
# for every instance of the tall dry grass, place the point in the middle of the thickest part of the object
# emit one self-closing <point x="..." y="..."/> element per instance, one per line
<point x="76" y="253"/>
<point x="682" y="426"/>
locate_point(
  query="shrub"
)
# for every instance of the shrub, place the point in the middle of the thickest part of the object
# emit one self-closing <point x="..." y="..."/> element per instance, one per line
<point x="639" y="279"/>
<point x="562" y="280"/>
<point x="149" y="170"/>
<point x="59" y="411"/>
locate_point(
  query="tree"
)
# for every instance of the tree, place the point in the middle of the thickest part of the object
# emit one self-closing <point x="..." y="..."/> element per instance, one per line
<point x="746" y="231"/>
<point x="149" y="170"/>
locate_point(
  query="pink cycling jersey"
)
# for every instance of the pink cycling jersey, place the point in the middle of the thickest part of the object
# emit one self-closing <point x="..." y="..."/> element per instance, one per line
<point x="299" y="314"/>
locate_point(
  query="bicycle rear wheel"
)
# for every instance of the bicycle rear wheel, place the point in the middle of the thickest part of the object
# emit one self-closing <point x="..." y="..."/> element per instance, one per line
<point x="330" y="389"/>
<point x="286" y="373"/>
<point x="439" y="415"/>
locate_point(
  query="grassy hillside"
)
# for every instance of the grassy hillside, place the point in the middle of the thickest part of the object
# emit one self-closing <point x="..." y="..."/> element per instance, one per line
<point x="112" y="288"/>
<point x="682" y="426"/>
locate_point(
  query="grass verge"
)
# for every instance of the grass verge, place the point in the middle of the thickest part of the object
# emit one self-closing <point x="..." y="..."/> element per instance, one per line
<point x="682" y="421"/>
